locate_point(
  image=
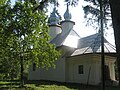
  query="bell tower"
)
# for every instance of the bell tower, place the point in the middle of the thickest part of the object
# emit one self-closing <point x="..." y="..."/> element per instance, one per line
<point x="67" y="24"/>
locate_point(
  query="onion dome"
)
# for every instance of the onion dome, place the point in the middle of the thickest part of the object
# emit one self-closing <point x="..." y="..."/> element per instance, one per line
<point x="67" y="15"/>
<point x="54" y="18"/>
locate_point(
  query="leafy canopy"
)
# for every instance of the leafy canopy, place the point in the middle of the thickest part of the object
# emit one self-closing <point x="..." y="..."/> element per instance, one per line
<point x="92" y="13"/>
<point x="24" y="33"/>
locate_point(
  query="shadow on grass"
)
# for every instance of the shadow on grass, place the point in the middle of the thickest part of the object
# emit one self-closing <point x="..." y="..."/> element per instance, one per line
<point x="75" y="86"/>
<point x="13" y="85"/>
<point x="8" y="87"/>
<point x="31" y="85"/>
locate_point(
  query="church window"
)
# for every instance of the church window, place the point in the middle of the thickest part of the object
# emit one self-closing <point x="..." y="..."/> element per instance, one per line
<point x="80" y="69"/>
<point x="34" y="66"/>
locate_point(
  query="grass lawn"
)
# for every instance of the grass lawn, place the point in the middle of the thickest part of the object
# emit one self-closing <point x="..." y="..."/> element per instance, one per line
<point x="47" y="85"/>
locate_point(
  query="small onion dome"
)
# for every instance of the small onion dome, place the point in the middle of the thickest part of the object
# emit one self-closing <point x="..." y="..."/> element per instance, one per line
<point x="54" y="18"/>
<point x="67" y="15"/>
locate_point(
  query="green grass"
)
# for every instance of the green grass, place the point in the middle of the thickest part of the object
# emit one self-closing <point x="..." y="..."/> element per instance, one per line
<point x="47" y="85"/>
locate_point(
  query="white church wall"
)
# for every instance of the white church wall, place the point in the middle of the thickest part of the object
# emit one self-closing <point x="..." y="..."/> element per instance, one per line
<point x="53" y="74"/>
<point x="110" y="62"/>
<point x="91" y="66"/>
<point x="89" y="69"/>
<point x="67" y="70"/>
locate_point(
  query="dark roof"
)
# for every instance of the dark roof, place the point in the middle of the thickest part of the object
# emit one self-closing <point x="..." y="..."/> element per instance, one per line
<point x="89" y="44"/>
<point x="92" y="44"/>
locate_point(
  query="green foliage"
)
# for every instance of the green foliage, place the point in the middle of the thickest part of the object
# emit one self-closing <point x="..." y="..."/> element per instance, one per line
<point x="24" y="33"/>
<point x="72" y="2"/>
<point x="92" y="13"/>
<point x="2" y="2"/>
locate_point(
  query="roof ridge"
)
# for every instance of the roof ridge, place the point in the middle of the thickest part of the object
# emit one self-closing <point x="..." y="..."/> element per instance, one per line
<point x="76" y="33"/>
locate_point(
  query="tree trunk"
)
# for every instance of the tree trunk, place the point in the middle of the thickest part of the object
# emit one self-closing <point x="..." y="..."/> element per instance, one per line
<point x="115" y="11"/>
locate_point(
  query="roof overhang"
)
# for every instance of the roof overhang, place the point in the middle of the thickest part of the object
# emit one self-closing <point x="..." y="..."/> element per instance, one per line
<point x="112" y="54"/>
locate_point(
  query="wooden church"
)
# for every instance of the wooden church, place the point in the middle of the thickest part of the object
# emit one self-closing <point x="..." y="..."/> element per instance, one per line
<point x="78" y="64"/>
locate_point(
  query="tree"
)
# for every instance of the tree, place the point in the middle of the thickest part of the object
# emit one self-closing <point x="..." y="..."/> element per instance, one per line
<point x="92" y="14"/>
<point x="24" y="38"/>
<point x="115" y="7"/>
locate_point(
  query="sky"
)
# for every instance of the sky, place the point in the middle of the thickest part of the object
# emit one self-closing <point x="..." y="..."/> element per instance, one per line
<point x="78" y="17"/>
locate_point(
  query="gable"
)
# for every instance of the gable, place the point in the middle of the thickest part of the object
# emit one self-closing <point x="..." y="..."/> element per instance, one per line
<point x="65" y="39"/>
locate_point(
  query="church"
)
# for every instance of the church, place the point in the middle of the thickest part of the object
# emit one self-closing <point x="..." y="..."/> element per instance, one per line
<point x="80" y="63"/>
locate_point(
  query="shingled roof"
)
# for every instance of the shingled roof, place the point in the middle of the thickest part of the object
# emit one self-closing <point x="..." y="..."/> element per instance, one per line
<point x="92" y="44"/>
<point x="89" y="44"/>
